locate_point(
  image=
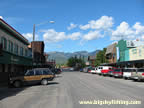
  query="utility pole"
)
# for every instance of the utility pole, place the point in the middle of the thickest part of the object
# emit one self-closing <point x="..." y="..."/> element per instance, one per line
<point x="34" y="32"/>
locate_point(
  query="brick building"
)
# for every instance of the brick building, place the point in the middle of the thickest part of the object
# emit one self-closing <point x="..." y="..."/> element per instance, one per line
<point x="111" y="53"/>
<point x="38" y="53"/>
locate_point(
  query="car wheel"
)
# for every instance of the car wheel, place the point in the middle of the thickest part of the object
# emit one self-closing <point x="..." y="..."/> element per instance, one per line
<point x="44" y="82"/>
<point x="17" y="84"/>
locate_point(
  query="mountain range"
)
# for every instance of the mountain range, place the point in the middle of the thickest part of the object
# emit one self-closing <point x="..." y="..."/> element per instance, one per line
<point x="62" y="57"/>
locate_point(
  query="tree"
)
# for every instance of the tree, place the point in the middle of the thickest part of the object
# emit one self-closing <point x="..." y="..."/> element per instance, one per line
<point x="100" y="57"/>
<point x="75" y="62"/>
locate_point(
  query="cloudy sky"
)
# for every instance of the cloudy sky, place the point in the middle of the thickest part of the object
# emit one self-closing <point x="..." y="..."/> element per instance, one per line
<point x="79" y="24"/>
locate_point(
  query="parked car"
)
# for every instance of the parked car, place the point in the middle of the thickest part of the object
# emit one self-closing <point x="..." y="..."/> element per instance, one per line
<point x="93" y="70"/>
<point x="71" y="69"/>
<point x="56" y="70"/>
<point x="81" y="70"/>
<point x="118" y="73"/>
<point x="39" y="75"/>
<point x="87" y="69"/>
<point x="98" y="71"/>
<point x="110" y="73"/>
<point x="106" y="69"/>
<point x="138" y="75"/>
<point x="127" y="72"/>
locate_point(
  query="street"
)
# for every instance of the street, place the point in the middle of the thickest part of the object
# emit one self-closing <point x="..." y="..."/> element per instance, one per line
<point x="71" y="87"/>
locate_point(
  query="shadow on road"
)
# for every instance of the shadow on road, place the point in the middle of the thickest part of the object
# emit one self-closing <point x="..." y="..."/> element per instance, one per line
<point x="7" y="92"/>
<point x="52" y="83"/>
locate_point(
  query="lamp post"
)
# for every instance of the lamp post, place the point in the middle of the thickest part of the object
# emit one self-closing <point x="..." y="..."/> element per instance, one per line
<point x="39" y="25"/>
<point x="32" y="45"/>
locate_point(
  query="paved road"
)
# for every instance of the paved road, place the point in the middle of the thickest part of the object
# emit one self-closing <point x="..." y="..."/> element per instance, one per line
<point x="71" y="87"/>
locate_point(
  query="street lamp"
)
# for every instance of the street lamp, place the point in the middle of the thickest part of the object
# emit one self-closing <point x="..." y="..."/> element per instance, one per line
<point x="39" y="25"/>
<point x="32" y="45"/>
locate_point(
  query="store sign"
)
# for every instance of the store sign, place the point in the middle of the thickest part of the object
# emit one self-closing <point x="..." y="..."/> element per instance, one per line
<point x="130" y="44"/>
<point x="134" y="43"/>
<point x="136" y="53"/>
<point x="14" y="59"/>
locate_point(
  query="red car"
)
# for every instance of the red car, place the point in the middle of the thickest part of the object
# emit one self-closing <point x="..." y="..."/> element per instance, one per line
<point x="106" y="69"/>
<point x="118" y="73"/>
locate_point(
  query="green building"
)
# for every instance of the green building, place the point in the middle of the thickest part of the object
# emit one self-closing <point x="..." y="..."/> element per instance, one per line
<point x="15" y="56"/>
<point x="122" y="51"/>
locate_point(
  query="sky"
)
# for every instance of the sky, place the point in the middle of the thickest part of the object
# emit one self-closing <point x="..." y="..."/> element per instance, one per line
<point x="78" y="24"/>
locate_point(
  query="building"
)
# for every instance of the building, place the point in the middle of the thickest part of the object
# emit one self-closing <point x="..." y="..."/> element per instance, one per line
<point x="91" y="60"/>
<point x="122" y="51"/>
<point x="38" y="53"/>
<point x="14" y="52"/>
<point x="111" y="53"/>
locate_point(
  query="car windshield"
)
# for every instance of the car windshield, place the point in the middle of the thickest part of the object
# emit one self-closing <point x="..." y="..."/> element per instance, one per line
<point x="140" y="70"/>
<point x="129" y="70"/>
<point x="117" y="70"/>
<point x="92" y="68"/>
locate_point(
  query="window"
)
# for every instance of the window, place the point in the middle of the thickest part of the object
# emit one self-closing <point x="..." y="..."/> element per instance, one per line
<point x="38" y="72"/>
<point x="47" y="72"/>
<point x="4" y="43"/>
<point x="26" y="52"/>
<point x="11" y="47"/>
<point x="140" y="70"/>
<point x="117" y="70"/>
<point x="21" y="51"/>
<point x="30" y="73"/>
<point x="16" y="49"/>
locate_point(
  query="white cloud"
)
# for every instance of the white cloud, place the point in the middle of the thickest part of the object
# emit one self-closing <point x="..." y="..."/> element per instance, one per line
<point x="104" y="23"/>
<point x="74" y="36"/>
<point x="72" y="26"/>
<point x="139" y="28"/>
<point x="126" y="32"/>
<point x="29" y="36"/>
<point x="92" y="35"/>
<point x="51" y="35"/>
<point x="84" y="27"/>
<point x="142" y="37"/>
<point x="123" y="31"/>
<point x="1" y="17"/>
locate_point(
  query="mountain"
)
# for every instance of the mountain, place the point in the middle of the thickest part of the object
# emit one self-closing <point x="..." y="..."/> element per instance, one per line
<point x="61" y="57"/>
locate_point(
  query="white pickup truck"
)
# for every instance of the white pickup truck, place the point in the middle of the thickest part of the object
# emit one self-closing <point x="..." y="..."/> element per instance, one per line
<point x="127" y="72"/>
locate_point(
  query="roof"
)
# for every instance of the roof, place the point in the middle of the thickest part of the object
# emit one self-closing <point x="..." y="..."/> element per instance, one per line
<point x="12" y="30"/>
<point x="110" y="48"/>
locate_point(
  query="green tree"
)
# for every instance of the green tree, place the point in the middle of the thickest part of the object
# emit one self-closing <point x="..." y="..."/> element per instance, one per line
<point x="100" y="57"/>
<point x="76" y="62"/>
